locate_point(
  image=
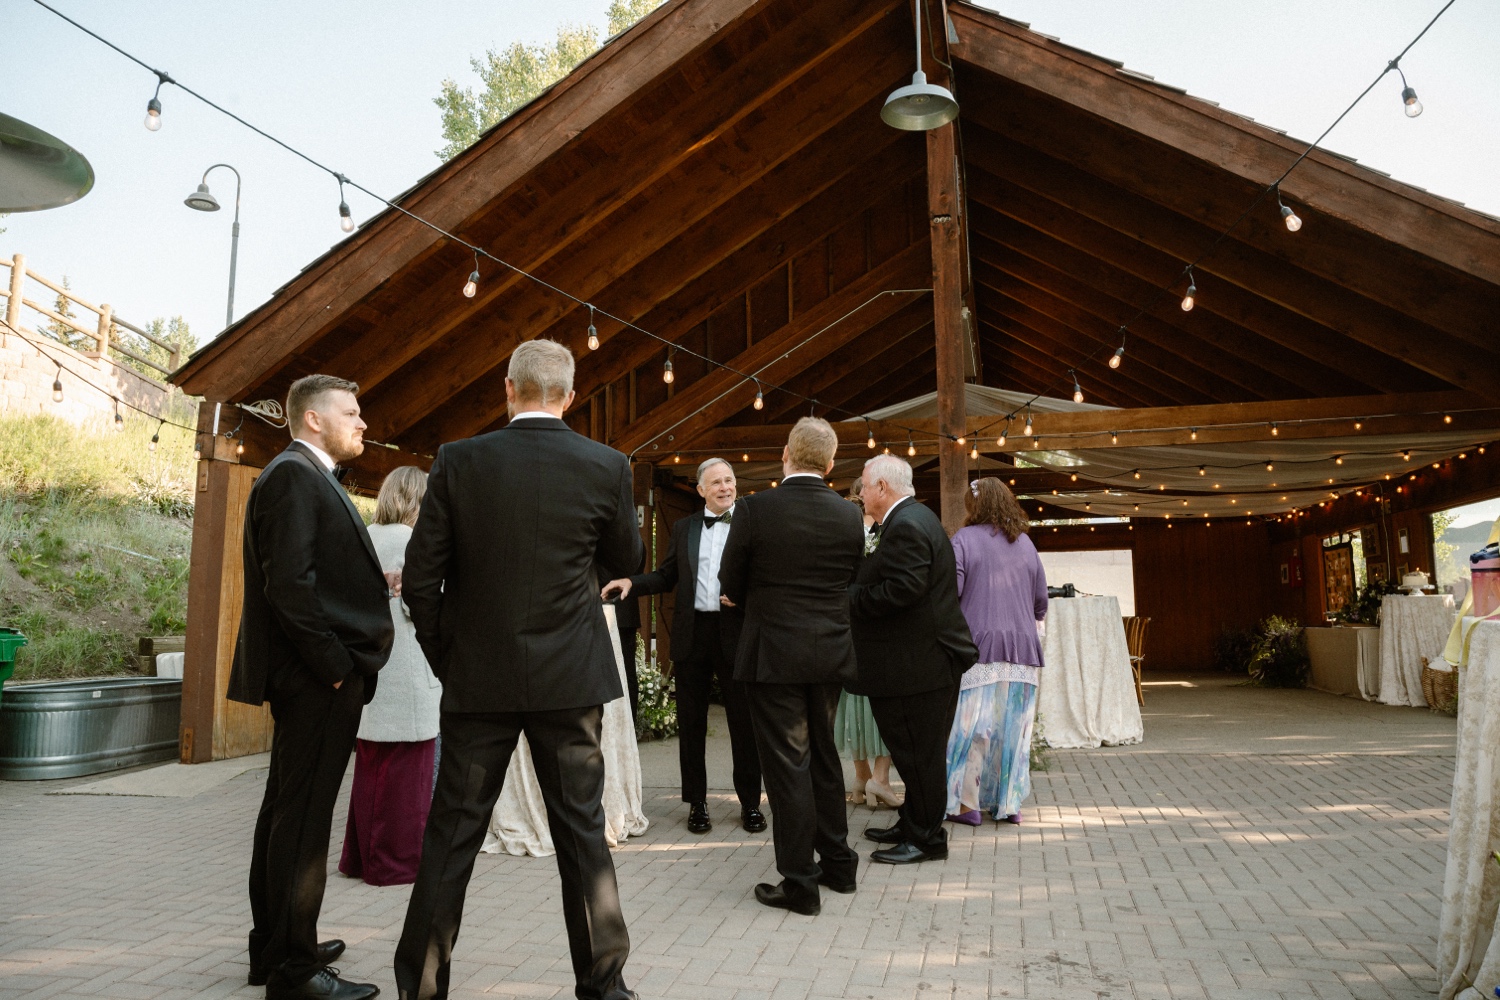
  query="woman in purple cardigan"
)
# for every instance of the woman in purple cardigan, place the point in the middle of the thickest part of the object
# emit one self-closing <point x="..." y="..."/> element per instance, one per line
<point x="1003" y="592"/>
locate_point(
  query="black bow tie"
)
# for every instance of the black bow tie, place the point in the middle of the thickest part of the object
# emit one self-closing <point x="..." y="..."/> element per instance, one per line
<point x="709" y="520"/>
<point x="340" y="471"/>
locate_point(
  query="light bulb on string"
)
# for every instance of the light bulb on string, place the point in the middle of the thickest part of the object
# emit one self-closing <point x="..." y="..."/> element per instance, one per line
<point x="760" y="397"/>
<point x="1447" y="418"/>
<point x="156" y="436"/>
<point x="239" y="449"/>
<point x="1117" y="358"/>
<point x="1411" y="105"/>
<point x="1026" y="430"/>
<point x="1136" y="473"/>
<point x="1114" y="438"/>
<point x="1190" y="299"/>
<point x="57" y="390"/>
<point x="1077" y="389"/>
<point x="346" y="219"/>
<point x="1293" y="223"/>
<point x="911" y="448"/>
<point x="472" y="285"/>
<point x="153" y="106"/>
<point x="1338" y="460"/>
<point x="669" y="376"/>
<point x="870" y="436"/>
<point x="119" y="420"/>
<point x="1274" y="430"/>
<point x="1270" y="467"/>
<point x="1202" y="470"/>
<point x="1194" y="433"/>
<point x="974" y="452"/>
<point x="593" y="332"/>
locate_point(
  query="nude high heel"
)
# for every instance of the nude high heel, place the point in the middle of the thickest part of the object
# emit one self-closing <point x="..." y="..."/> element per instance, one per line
<point x="877" y="794"/>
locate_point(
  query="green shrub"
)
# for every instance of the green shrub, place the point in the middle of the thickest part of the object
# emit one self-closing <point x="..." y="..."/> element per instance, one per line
<point x="656" y="711"/>
<point x="1281" y="655"/>
<point x="1234" y="649"/>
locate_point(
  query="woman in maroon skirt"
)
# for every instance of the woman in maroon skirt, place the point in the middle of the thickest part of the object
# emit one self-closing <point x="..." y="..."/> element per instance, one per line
<point x="394" y="754"/>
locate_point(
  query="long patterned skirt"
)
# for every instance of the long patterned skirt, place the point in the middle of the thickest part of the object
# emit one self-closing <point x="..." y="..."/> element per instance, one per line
<point x="989" y="748"/>
<point x="854" y="729"/>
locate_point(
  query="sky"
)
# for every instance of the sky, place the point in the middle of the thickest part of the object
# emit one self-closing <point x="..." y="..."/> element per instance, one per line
<point x="351" y="83"/>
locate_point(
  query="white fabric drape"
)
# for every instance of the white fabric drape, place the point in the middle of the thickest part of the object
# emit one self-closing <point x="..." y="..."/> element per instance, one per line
<point x="1087" y="692"/>
<point x="519" y="822"/>
<point x="1467" y="945"/>
<point x="1411" y="628"/>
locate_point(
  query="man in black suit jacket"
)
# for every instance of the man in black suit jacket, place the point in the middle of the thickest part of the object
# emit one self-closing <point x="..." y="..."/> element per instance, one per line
<point x="500" y="579"/>
<point x="705" y="635"/>
<point x="913" y="645"/>
<point x="791" y="554"/>
<point x="315" y="628"/>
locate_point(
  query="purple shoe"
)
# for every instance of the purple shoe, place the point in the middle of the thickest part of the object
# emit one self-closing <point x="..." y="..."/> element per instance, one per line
<point x="1014" y="818"/>
<point x="970" y="818"/>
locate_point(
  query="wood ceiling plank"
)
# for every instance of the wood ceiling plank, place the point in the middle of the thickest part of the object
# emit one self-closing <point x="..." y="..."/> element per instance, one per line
<point x="1052" y="344"/>
<point x="1399" y="213"/>
<point x="1107" y="292"/>
<point x="803" y="342"/>
<point x="1251" y="270"/>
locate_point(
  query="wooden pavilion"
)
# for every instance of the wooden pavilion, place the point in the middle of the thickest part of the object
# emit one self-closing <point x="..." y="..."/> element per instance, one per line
<point x="720" y="175"/>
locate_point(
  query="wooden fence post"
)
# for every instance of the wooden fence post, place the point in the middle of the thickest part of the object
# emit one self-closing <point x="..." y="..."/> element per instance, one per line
<point x="101" y="339"/>
<point x="17" y="290"/>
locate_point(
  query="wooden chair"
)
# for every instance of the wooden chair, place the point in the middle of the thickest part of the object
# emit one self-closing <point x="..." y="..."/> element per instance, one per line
<point x="1135" y="642"/>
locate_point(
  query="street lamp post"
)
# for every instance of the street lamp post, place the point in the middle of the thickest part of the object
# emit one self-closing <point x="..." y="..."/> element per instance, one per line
<point x="202" y="201"/>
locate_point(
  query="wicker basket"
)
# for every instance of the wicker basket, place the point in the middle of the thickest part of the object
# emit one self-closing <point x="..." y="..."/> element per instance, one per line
<point x="1440" y="687"/>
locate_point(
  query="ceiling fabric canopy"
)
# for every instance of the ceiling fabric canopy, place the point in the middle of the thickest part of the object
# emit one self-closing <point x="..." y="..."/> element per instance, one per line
<point x="1235" y="478"/>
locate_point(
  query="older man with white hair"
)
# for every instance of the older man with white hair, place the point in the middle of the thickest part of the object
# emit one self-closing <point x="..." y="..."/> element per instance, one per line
<point x="705" y="634"/>
<point x="912" y="645"/>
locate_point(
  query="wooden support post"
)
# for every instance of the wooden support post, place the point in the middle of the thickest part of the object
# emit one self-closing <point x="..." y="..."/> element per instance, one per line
<point x="944" y="207"/>
<point x="214" y="728"/>
<point x="17" y="291"/>
<point x="101" y="339"/>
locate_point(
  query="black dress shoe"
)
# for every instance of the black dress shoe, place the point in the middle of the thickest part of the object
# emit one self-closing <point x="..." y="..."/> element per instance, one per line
<point x="775" y="895"/>
<point x="907" y="853"/>
<point x="837" y="886"/>
<point x="884" y="834"/>
<point x="753" y="820"/>
<point x="324" y="985"/>
<point x="327" y="952"/>
<point x="698" y="821"/>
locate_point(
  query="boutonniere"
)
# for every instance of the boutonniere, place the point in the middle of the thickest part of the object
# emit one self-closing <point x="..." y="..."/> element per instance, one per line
<point x="872" y="541"/>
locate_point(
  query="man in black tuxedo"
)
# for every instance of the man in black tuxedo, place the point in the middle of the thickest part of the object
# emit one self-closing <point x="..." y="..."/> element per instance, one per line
<point x="705" y="635"/>
<point x="500" y="579"/>
<point x="913" y="646"/>
<point x="316" y="627"/>
<point x="791" y="555"/>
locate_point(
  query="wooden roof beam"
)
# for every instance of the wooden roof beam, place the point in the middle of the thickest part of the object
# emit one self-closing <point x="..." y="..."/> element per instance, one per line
<point x="1054" y="348"/>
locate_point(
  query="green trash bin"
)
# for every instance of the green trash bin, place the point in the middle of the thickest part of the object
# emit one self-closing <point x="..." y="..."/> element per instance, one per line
<point x="10" y="641"/>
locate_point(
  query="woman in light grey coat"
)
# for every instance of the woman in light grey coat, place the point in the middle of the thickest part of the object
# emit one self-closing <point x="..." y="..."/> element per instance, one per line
<point x="394" y="754"/>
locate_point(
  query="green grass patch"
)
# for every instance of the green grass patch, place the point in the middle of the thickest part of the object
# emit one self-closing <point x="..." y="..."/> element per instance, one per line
<point x="95" y="529"/>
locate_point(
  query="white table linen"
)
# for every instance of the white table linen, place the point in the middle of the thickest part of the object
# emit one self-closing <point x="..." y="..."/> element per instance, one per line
<point x="1411" y="627"/>
<point x="1086" y="697"/>
<point x="1345" y="660"/>
<point x="169" y="665"/>
<point x="1468" y="949"/>
<point x="519" y="823"/>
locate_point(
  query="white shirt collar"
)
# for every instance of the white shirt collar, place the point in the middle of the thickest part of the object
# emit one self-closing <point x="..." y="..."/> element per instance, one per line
<point x="892" y="509"/>
<point x="322" y="455"/>
<point x="800" y="475"/>
<point x="534" y="414"/>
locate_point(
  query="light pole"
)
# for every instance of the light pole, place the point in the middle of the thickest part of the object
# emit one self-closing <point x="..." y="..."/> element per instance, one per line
<point x="202" y="201"/>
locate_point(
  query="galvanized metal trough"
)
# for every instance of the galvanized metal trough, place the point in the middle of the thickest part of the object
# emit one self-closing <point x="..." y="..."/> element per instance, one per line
<point x="63" y="729"/>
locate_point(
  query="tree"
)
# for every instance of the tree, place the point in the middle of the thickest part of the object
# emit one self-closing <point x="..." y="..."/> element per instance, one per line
<point x="63" y="332"/>
<point x="173" y="331"/>
<point x="513" y="76"/>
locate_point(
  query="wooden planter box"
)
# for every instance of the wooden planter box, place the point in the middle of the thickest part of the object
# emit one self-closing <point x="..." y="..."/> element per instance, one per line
<point x="63" y="729"/>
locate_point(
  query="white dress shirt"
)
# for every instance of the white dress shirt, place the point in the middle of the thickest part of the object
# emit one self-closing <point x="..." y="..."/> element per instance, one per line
<point x="800" y="475"/>
<point x="534" y="414"/>
<point x="892" y="509"/>
<point x="710" y="555"/>
<point x="322" y="455"/>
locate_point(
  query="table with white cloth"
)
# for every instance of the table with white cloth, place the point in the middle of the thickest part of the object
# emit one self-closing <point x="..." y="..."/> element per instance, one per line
<point x="1468" y="945"/>
<point x="1086" y="697"/>
<point x="1344" y="660"/>
<point x="519" y="822"/>
<point x="1411" y="627"/>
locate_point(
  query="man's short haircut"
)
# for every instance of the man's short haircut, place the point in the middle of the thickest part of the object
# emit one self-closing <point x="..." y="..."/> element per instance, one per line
<point x="709" y="463"/>
<point x="541" y="371"/>
<point x="307" y="393"/>
<point x="811" y="445"/>
<point x="895" y="471"/>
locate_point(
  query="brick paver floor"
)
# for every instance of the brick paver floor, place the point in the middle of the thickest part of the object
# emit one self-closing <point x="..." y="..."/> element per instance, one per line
<point x="1281" y="868"/>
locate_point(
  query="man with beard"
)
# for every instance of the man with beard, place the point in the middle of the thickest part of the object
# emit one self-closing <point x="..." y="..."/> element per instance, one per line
<point x="316" y="627"/>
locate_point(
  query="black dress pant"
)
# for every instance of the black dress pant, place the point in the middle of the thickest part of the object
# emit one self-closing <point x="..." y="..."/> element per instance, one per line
<point x="804" y="783"/>
<point x="915" y="729"/>
<point x="310" y="748"/>
<point x="627" y="647"/>
<point x="570" y="770"/>
<point x="694" y="682"/>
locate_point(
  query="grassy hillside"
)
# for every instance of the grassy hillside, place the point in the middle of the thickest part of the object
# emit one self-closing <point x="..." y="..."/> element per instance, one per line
<point x="95" y="529"/>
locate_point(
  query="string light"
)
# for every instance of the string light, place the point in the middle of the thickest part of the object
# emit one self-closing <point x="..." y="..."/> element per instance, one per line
<point x="239" y="449"/>
<point x="153" y="106"/>
<point x="1117" y="358"/>
<point x="119" y="420"/>
<point x="1293" y="223"/>
<point x="1193" y="434"/>
<point x="974" y="452"/>
<point x="1188" y="300"/>
<point x="472" y="285"/>
<point x="668" y="376"/>
<point x="1202" y="470"/>
<point x="1270" y="467"/>
<point x="1077" y="389"/>
<point x="593" y="331"/>
<point x="1358" y="424"/>
<point x="1447" y="418"/>
<point x="745" y="457"/>
<point x="911" y="448"/>
<point x="1274" y="430"/>
<point x="1114" y="438"/>
<point x="1413" y="107"/>
<point x="677" y="458"/>
<point x="346" y="218"/>
<point x="1026" y="430"/>
<point x="1136" y="473"/>
<point x="1000" y="441"/>
<point x="760" y="397"/>
<point x="57" y="392"/>
<point x="1406" y="456"/>
<point x="870" y="439"/>
<point x="156" y="436"/>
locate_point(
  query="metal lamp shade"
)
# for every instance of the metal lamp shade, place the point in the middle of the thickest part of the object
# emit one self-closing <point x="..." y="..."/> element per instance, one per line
<point x="202" y="200"/>
<point x="37" y="170"/>
<point x="920" y="106"/>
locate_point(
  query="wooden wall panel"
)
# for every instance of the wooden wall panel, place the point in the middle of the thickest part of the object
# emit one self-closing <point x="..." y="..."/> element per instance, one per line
<point x="848" y="257"/>
<point x="769" y="308"/>
<point x="726" y="330"/>
<point x="810" y="277"/>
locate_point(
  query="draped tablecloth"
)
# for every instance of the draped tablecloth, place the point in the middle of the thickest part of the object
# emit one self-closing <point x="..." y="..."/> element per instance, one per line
<point x="1086" y="697"/>
<point x="1468" y="949"/>
<point x="1345" y="660"/>
<point x="519" y="822"/>
<point x="1411" y="628"/>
